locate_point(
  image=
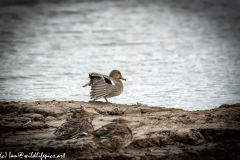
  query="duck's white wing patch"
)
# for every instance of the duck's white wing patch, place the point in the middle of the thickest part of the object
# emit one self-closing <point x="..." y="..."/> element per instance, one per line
<point x="112" y="82"/>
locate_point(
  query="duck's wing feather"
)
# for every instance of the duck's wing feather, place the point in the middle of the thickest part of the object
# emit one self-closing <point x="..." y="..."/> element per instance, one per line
<point x="67" y="130"/>
<point x="105" y="130"/>
<point x="98" y="90"/>
<point x="101" y="85"/>
<point x="85" y="126"/>
<point x="122" y="130"/>
<point x="120" y="137"/>
<point x="94" y="78"/>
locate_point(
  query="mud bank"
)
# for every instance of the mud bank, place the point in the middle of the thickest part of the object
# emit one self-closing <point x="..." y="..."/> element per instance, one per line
<point x="159" y="133"/>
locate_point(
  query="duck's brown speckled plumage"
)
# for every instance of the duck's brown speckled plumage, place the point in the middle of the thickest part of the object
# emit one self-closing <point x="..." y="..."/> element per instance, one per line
<point x="79" y="122"/>
<point x="115" y="135"/>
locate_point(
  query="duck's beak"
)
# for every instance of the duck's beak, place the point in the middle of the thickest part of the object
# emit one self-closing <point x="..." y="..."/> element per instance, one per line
<point x="123" y="78"/>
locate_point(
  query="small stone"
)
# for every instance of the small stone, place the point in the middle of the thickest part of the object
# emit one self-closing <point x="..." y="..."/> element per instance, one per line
<point x="37" y="117"/>
<point x="182" y="145"/>
<point x="149" y="150"/>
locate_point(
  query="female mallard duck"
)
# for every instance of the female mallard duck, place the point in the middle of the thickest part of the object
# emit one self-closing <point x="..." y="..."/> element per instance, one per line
<point x="79" y="125"/>
<point x="114" y="136"/>
<point x="103" y="86"/>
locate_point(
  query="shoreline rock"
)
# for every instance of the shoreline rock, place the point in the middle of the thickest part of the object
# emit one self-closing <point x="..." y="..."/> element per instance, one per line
<point x="159" y="133"/>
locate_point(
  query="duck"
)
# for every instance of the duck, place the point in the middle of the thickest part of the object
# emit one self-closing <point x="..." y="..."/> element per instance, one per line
<point x="114" y="136"/>
<point x="77" y="126"/>
<point x="103" y="86"/>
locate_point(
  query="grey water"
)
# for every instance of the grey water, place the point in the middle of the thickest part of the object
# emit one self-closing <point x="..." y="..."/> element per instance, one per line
<point x="174" y="54"/>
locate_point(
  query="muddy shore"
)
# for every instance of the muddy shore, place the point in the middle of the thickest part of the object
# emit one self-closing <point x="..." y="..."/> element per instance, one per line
<point x="159" y="133"/>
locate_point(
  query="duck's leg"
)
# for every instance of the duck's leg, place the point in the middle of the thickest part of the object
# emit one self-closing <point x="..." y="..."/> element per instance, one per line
<point x="94" y="100"/>
<point x="106" y="99"/>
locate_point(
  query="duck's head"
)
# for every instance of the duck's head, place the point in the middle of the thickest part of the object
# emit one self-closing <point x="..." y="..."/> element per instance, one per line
<point x="116" y="74"/>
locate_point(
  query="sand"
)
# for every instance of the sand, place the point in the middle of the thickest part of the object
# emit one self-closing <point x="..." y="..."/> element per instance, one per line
<point x="159" y="133"/>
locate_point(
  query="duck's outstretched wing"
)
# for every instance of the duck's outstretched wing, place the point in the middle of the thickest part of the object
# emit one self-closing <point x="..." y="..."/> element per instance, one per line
<point x="101" y="85"/>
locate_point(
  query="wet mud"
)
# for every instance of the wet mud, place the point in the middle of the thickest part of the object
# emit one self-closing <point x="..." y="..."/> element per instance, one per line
<point x="159" y="133"/>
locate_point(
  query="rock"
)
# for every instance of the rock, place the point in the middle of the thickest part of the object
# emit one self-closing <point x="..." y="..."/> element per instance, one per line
<point x="50" y="118"/>
<point x="132" y="110"/>
<point x="37" y="117"/>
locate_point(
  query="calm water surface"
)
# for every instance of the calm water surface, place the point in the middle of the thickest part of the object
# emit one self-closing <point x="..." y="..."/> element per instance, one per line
<point x="182" y="55"/>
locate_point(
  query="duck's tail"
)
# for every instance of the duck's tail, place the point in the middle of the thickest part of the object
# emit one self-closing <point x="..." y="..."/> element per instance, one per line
<point x="88" y="84"/>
